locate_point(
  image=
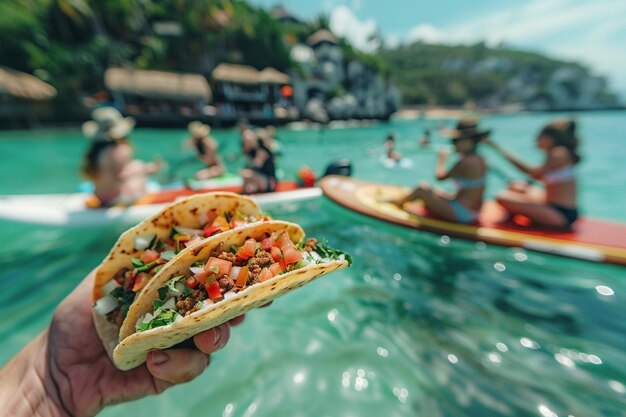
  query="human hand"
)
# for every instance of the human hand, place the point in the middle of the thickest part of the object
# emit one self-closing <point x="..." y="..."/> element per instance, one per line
<point x="79" y="369"/>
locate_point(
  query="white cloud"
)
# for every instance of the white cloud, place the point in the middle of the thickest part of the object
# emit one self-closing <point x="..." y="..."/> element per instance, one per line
<point x="426" y="32"/>
<point x="344" y="23"/>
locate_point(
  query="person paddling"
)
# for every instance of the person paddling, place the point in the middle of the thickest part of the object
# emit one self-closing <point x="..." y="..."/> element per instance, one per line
<point x="555" y="205"/>
<point x="468" y="173"/>
<point x="206" y="149"/>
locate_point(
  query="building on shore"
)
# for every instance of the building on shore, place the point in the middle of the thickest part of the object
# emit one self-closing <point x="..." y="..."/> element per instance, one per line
<point x="24" y="98"/>
<point x="158" y="97"/>
<point x="243" y="92"/>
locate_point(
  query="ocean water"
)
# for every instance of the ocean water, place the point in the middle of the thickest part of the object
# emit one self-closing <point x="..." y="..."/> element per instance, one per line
<point x="419" y="325"/>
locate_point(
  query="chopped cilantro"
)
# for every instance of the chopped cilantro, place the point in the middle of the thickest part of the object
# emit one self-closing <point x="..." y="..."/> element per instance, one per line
<point x="326" y="251"/>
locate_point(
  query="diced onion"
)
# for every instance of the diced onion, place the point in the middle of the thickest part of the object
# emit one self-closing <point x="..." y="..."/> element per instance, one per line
<point x="169" y="304"/>
<point x="180" y="287"/>
<point x="110" y="286"/>
<point x="229" y="294"/>
<point x="143" y="241"/>
<point x="189" y="231"/>
<point x="234" y="272"/>
<point x="196" y="270"/>
<point x="105" y="305"/>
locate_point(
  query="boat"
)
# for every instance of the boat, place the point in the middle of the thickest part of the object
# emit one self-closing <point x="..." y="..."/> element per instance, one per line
<point x="589" y="239"/>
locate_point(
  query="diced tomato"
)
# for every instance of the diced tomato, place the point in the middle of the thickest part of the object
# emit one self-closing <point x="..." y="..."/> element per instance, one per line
<point x="276" y="268"/>
<point x="276" y="254"/>
<point x="141" y="279"/>
<point x="211" y="230"/>
<point x="265" y="275"/>
<point x="236" y="222"/>
<point x="192" y="282"/>
<point x="210" y="217"/>
<point x="247" y="250"/>
<point x="242" y="277"/>
<point x="213" y="289"/>
<point x="283" y="240"/>
<point x="201" y="277"/>
<point x="148" y="256"/>
<point x="223" y="266"/>
<point x="268" y="242"/>
<point x="291" y="255"/>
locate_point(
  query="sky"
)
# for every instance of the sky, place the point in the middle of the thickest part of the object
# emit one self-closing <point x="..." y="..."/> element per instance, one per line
<point x="592" y="32"/>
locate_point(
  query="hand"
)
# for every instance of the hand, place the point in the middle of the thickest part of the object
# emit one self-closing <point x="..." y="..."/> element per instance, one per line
<point x="78" y="376"/>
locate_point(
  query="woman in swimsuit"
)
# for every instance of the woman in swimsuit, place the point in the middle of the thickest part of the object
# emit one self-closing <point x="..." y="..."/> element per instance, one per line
<point x="259" y="176"/>
<point x="118" y="178"/>
<point x="555" y="205"/>
<point x="206" y="149"/>
<point x="468" y="174"/>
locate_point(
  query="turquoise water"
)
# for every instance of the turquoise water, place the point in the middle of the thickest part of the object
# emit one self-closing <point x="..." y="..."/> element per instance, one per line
<point x="420" y="325"/>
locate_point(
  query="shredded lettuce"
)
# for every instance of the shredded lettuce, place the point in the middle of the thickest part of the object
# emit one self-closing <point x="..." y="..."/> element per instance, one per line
<point x="164" y="318"/>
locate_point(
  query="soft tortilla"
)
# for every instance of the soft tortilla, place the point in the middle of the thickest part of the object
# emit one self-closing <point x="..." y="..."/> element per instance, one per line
<point x="133" y="349"/>
<point x="183" y="213"/>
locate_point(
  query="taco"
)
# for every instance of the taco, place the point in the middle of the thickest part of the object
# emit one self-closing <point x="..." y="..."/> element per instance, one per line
<point x="219" y="279"/>
<point x="142" y="251"/>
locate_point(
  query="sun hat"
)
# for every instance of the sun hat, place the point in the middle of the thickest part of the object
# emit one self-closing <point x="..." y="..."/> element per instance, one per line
<point x="466" y="128"/>
<point x="108" y="124"/>
<point x="198" y="129"/>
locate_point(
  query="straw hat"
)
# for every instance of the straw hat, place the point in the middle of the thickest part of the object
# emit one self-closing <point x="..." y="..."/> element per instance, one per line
<point x="466" y="128"/>
<point x="198" y="129"/>
<point x="108" y="124"/>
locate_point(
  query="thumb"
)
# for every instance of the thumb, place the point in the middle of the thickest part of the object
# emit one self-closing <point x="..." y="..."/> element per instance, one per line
<point x="177" y="365"/>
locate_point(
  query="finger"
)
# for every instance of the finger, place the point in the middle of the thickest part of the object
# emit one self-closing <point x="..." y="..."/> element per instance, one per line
<point x="213" y="339"/>
<point x="177" y="365"/>
<point x="237" y="320"/>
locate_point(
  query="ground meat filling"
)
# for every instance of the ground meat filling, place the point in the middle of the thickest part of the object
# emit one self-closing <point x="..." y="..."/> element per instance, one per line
<point x="261" y="259"/>
<point x="310" y="245"/>
<point x="189" y="304"/>
<point x="226" y="284"/>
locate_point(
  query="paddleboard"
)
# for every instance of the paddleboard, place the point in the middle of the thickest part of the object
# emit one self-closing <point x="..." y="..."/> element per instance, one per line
<point x="590" y="239"/>
<point x="389" y="163"/>
<point x="71" y="210"/>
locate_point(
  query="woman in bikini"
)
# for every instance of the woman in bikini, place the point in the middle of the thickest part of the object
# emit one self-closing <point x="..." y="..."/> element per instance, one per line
<point x="555" y="205"/>
<point x="468" y="174"/>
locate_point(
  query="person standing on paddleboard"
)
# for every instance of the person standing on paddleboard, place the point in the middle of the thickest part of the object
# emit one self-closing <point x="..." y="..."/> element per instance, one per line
<point x="109" y="163"/>
<point x="468" y="174"/>
<point x="555" y="205"/>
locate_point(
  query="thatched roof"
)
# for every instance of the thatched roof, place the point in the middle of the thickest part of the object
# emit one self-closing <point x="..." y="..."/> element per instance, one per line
<point x="271" y="75"/>
<point x="243" y="74"/>
<point x="322" y="35"/>
<point x="24" y="86"/>
<point x="158" y="84"/>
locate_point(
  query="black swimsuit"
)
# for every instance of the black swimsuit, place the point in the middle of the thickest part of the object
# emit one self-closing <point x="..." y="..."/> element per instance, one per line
<point x="267" y="170"/>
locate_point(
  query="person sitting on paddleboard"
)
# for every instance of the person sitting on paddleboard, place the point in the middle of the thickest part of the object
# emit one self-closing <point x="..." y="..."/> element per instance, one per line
<point x="259" y="175"/>
<point x="556" y="204"/>
<point x="207" y="150"/>
<point x="109" y="163"/>
<point x="468" y="174"/>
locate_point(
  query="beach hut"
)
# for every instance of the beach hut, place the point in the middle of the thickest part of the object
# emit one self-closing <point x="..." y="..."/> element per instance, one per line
<point x="241" y="91"/>
<point x="159" y="97"/>
<point x="23" y="97"/>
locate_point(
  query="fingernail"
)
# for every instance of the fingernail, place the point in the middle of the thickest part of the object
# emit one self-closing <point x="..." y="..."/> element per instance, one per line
<point x="217" y="336"/>
<point x="159" y="357"/>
